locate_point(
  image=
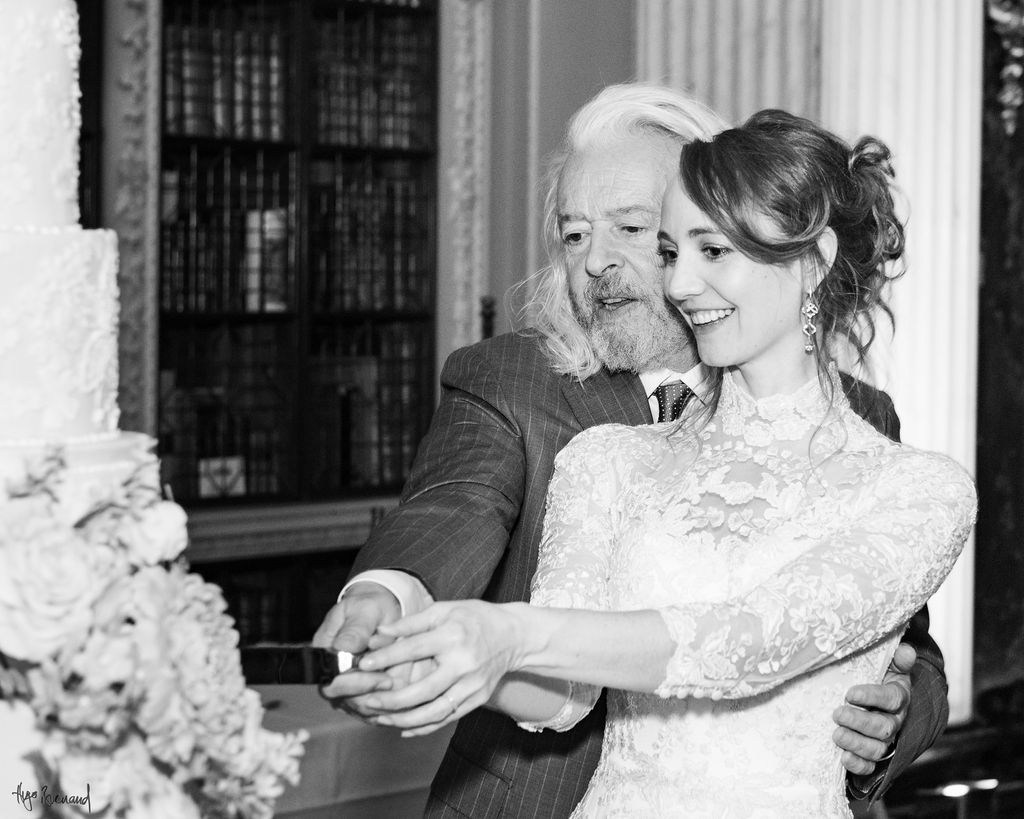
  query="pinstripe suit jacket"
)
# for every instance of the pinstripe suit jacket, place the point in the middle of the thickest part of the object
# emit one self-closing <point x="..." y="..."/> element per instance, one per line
<point x="469" y="525"/>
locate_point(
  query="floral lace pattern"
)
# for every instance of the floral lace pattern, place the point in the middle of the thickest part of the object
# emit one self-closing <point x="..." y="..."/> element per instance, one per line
<point x="779" y="591"/>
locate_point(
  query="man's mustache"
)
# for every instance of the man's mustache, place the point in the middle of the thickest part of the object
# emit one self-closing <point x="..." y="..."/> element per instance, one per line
<point x="604" y="288"/>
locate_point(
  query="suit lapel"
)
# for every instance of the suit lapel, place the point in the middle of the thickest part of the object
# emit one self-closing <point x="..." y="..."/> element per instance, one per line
<point x="607" y="398"/>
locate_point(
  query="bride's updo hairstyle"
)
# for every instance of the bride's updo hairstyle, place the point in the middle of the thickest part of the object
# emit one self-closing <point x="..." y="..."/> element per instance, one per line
<point x="805" y="179"/>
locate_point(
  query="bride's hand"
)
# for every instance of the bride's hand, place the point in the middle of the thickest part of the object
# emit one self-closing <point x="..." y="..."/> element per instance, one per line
<point x="473" y="644"/>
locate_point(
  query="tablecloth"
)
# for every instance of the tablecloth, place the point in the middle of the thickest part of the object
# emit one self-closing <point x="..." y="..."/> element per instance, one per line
<point x="350" y="769"/>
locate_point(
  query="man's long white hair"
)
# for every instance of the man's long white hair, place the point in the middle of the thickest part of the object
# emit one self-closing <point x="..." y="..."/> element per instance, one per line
<point x="627" y="109"/>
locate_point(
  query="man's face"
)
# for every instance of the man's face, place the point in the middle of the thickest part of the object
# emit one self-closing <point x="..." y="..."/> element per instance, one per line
<point x="609" y="207"/>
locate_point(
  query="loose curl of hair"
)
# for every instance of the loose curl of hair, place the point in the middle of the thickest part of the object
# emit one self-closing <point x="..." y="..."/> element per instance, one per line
<point x="626" y="109"/>
<point x="805" y="179"/>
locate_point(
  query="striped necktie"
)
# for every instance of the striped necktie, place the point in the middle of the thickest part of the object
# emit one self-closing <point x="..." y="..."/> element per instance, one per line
<point x="672" y="397"/>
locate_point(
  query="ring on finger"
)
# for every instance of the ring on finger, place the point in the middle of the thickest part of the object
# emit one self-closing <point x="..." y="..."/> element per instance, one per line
<point x="451" y="702"/>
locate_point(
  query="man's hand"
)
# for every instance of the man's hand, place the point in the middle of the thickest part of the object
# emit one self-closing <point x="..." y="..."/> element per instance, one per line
<point x="348" y="626"/>
<point x="873" y="716"/>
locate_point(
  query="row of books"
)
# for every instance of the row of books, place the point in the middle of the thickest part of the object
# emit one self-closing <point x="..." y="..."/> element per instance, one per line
<point x="369" y="246"/>
<point x="357" y="265"/>
<point x="365" y="437"/>
<point x="223" y="83"/>
<point x="403" y="3"/>
<point x="228" y="364"/>
<point x="368" y="406"/>
<point x="251" y="463"/>
<point x="241" y="266"/>
<point x="365" y="431"/>
<point x="368" y="83"/>
<point x="228" y="438"/>
<point x="379" y="45"/>
<point x="387" y="112"/>
<point x="257" y="606"/>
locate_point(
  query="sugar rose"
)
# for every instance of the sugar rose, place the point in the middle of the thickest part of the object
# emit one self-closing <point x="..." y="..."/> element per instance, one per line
<point x="155" y="534"/>
<point x="48" y="584"/>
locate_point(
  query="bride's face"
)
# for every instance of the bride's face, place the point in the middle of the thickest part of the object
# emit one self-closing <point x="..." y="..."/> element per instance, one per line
<point x="743" y="313"/>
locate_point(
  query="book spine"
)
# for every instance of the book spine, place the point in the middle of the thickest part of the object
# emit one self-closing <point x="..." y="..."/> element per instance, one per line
<point x="240" y="84"/>
<point x="196" y="71"/>
<point x="258" y="83"/>
<point x="222" y="82"/>
<point x="276" y="88"/>
<point x="254" y="261"/>
<point x="172" y="78"/>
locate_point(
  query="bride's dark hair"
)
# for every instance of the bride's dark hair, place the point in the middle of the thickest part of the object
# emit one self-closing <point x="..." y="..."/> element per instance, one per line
<point x="805" y="179"/>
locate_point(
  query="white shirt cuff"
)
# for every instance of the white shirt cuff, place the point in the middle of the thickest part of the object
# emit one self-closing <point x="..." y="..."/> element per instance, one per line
<point x="411" y="594"/>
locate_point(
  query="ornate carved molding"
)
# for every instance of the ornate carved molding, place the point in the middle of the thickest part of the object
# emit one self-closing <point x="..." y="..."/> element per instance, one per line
<point x="466" y="178"/>
<point x="133" y="147"/>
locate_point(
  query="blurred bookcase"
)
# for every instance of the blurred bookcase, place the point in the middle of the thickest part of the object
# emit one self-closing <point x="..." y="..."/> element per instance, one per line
<point x="297" y="256"/>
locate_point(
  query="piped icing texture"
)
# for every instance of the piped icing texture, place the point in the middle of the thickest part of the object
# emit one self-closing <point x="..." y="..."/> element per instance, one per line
<point x="58" y="282"/>
<point x="40" y="115"/>
<point x="58" y="334"/>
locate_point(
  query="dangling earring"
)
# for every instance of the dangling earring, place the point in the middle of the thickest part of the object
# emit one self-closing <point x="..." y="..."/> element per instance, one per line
<point x="809" y="311"/>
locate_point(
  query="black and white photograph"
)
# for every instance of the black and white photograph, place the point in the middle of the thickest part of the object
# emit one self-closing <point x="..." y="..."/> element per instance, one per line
<point x="512" y="409"/>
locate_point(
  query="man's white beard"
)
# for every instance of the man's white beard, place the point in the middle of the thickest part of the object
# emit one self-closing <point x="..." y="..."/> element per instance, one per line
<point x="648" y="340"/>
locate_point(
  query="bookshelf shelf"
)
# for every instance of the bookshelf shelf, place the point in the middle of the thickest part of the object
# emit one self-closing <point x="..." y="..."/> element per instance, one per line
<point x="215" y="144"/>
<point x="297" y="252"/>
<point x="330" y="152"/>
<point x="382" y="315"/>
<point x="186" y="318"/>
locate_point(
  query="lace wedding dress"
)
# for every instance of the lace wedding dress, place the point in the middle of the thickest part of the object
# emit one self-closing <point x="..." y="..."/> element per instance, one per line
<point x="780" y="592"/>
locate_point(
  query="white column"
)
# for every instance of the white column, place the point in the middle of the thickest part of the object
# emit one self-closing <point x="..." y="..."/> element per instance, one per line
<point x="738" y="56"/>
<point x="909" y="72"/>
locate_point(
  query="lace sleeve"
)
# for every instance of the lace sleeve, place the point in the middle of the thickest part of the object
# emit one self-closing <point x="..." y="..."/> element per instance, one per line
<point x="840" y="596"/>
<point x="579" y="529"/>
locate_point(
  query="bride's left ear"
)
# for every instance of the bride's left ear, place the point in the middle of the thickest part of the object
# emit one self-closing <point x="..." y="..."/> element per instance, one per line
<point x="828" y="246"/>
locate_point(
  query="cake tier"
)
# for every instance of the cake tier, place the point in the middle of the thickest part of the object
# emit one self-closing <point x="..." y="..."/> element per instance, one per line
<point x="40" y="117"/>
<point x="95" y="470"/>
<point x="58" y="334"/>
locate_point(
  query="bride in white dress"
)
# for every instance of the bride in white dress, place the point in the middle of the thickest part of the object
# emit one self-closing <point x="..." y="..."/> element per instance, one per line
<point x="728" y="576"/>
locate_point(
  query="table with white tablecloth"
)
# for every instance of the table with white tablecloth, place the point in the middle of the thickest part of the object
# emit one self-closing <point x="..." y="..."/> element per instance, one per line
<point x="349" y="768"/>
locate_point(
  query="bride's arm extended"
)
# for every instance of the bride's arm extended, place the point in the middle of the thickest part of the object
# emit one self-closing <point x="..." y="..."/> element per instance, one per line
<point x="836" y="598"/>
<point x="573" y="568"/>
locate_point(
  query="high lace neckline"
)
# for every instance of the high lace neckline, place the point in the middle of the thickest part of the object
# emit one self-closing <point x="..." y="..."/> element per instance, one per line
<point x="782" y="416"/>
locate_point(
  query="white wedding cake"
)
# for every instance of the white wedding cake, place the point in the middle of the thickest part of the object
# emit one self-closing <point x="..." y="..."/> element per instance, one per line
<point x="121" y="685"/>
<point x="58" y="299"/>
<point x="58" y="282"/>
